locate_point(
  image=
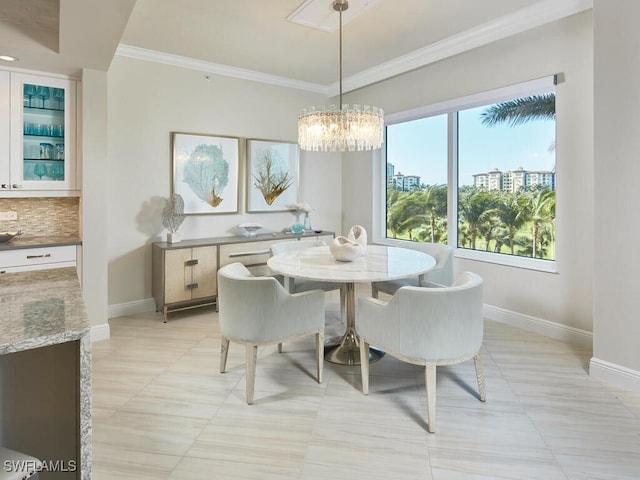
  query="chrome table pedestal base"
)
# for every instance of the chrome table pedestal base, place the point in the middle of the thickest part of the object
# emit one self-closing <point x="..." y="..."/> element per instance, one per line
<point x="345" y="350"/>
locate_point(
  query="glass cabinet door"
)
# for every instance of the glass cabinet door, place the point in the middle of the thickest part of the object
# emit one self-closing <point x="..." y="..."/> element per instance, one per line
<point x="43" y="153"/>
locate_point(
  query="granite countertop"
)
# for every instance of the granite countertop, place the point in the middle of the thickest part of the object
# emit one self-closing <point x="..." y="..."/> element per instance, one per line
<point x="41" y="308"/>
<point x="22" y="241"/>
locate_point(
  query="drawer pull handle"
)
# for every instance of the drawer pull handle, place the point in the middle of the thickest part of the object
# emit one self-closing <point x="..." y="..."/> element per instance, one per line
<point x="44" y="255"/>
<point x="190" y="263"/>
<point x="192" y="286"/>
<point x="249" y="254"/>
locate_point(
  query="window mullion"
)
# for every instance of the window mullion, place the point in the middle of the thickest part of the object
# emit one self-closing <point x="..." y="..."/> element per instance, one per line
<point x="452" y="179"/>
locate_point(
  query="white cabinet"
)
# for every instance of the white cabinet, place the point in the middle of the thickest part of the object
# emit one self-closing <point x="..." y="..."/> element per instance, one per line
<point x="5" y="122"/>
<point x="37" y="258"/>
<point x="41" y="152"/>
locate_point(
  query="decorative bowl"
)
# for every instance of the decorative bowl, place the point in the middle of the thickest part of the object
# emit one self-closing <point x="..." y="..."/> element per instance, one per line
<point x="297" y="228"/>
<point x="250" y="228"/>
<point x="6" y="236"/>
<point x="345" y="250"/>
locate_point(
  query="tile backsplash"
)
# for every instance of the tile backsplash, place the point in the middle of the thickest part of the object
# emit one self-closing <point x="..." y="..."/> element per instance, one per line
<point x="43" y="217"/>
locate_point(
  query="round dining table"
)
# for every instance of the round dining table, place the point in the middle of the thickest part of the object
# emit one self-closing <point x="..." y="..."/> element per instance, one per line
<point x="378" y="263"/>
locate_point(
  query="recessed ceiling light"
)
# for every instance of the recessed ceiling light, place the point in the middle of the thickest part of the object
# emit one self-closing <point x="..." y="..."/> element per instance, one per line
<point x="8" y="58"/>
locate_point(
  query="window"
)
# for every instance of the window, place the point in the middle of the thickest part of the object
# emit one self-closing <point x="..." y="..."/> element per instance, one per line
<point x="477" y="173"/>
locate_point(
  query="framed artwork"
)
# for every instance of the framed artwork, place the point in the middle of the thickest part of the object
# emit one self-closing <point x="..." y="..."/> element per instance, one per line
<point x="205" y="172"/>
<point x="272" y="175"/>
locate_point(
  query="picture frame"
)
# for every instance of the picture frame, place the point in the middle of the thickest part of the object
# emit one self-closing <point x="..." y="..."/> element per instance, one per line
<point x="271" y="175"/>
<point x="205" y="172"/>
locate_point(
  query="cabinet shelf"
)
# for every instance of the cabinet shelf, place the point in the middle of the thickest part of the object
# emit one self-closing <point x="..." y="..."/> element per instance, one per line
<point x="31" y="135"/>
<point x="40" y="110"/>
<point x="38" y="159"/>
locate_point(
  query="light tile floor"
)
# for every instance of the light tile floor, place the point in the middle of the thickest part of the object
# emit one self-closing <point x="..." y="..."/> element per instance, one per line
<point x="161" y="410"/>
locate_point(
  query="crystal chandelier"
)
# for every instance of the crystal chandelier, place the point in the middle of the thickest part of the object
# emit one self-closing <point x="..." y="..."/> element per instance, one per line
<point x="345" y="129"/>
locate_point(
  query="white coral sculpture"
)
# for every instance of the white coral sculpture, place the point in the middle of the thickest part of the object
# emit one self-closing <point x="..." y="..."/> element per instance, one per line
<point x="173" y="213"/>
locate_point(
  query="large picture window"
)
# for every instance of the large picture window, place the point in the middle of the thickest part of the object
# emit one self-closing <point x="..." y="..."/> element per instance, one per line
<point x="478" y="173"/>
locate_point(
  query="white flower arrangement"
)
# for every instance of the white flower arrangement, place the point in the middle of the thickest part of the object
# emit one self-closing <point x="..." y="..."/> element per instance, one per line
<point x="304" y="207"/>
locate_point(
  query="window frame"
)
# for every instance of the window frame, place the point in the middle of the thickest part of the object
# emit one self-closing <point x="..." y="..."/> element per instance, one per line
<point x="451" y="108"/>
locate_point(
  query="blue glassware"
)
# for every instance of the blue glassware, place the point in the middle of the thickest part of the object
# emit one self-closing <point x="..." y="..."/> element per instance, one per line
<point x="29" y="93"/>
<point x="44" y="93"/>
<point x="40" y="170"/>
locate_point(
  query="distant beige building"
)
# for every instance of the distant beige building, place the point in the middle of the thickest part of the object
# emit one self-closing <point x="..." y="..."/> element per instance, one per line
<point x="513" y="180"/>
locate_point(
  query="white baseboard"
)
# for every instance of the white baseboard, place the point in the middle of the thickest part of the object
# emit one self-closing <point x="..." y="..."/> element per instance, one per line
<point x="547" y="328"/>
<point x="617" y="375"/>
<point x="131" y="308"/>
<point x="100" y="332"/>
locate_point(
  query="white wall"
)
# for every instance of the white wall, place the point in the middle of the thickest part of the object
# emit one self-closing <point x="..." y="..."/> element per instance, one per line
<point x="93" y="158"/>
<point x="147" y="101"/>
<point x="524" y="297"/>
<point x="617" y="169"/>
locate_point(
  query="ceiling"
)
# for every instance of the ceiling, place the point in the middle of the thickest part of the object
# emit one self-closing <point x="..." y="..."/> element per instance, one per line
<point x="254" y="36"/>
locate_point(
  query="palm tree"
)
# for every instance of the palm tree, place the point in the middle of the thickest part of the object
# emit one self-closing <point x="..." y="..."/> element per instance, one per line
<point x="475" y="205"/>
<point x="405" y="214"/>
<point x="434" y="198"/>
<point x="521" y="110"/>
<point x="513" y="215"/>
<point x="541" y="208"/>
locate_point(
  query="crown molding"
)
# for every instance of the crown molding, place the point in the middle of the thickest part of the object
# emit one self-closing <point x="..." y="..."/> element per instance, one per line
<point x="216" y="68"/>
<point x="541" y="13"/>
<point x="525" y="19"/>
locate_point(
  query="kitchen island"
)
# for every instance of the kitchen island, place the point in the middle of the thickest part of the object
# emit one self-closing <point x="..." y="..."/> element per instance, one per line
<point x="45" y="371"/>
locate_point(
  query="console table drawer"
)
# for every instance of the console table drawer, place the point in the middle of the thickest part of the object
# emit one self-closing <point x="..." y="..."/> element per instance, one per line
<point x="250" y="253"/>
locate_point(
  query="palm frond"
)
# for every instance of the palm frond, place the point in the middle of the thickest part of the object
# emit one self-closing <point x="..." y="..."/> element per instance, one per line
<point x="521" y="110"/>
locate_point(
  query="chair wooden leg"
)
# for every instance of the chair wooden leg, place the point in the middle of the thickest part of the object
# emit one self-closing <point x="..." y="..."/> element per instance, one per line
<point x="224" y="352"/>
<point x="252" y="356"/>
<point x="280" y="347"/>
<point x="320" y="354"/>
<point x="364" y="365"/>
<point x="480" y="376"/>
<point x="430" y="384"/>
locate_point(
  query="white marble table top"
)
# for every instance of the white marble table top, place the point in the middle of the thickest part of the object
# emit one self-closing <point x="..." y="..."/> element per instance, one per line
<point x="379" y="263"/>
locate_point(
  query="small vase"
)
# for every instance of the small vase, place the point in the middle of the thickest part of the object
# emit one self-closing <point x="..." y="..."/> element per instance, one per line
<point x="345" y="250"/>
<point x="173" y="237"/>
<point x="358" y="234"/>
<point x="307" y="221"/>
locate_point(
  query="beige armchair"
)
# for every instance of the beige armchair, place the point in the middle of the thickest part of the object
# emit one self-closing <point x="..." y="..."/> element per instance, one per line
<point x="438" y="276"/>
<point x="297" y="285"/>
<point x="258" y="311"/>
<point x="426" y="326"/>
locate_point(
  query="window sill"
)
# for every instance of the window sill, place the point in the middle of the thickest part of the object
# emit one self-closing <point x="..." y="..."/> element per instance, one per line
<point x="548" y="266"/>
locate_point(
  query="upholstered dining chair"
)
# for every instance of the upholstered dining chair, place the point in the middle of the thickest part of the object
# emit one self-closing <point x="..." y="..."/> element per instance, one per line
<point x="257" y="311"/>
<point x="438" y="276"/>
<point x="302" y="285"/>
<point x="426" y="326"/>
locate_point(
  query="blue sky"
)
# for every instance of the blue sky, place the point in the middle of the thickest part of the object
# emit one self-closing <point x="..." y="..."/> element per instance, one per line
<point x="419" y="147"/>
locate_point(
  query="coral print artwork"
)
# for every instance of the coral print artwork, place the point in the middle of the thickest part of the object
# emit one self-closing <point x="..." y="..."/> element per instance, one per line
<point x="205" y="172"/>
<point x="272" y="176"/>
